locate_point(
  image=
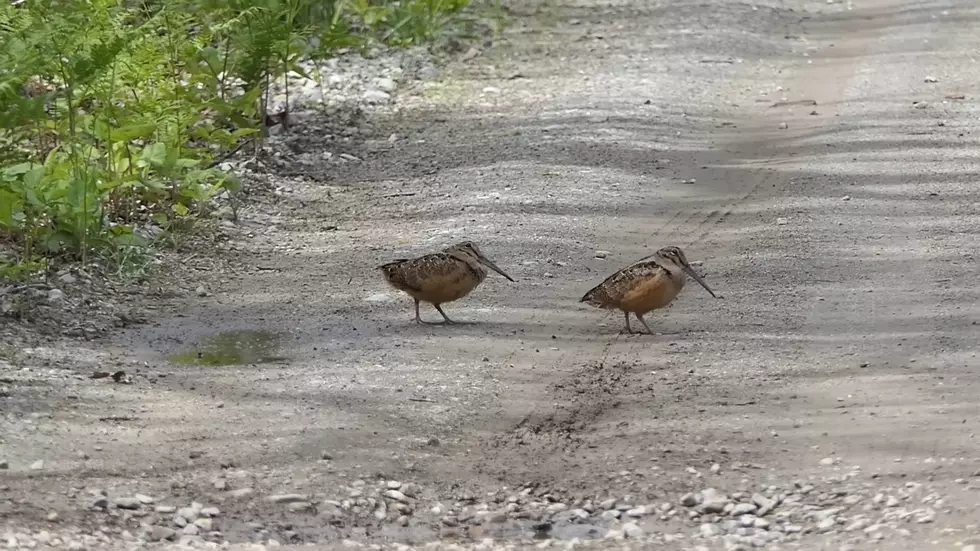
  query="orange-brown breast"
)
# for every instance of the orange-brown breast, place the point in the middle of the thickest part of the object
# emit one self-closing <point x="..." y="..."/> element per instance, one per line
<point x="437" y="278"/>
<point x="641" y="287"/>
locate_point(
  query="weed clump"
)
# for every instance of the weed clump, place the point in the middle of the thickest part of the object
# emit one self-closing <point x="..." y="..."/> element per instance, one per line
<point x="116" y="114"/>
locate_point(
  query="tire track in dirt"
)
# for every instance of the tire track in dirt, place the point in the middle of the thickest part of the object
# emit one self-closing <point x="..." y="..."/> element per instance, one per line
<point x="586" y="394"/>
<point x="582" y="397"/>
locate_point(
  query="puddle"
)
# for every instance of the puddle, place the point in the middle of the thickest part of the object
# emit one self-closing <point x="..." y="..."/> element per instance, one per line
<point x="233" y="348"/>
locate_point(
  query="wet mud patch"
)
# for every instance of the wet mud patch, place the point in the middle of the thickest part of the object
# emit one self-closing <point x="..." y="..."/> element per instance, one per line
<point x="233" y="348"/>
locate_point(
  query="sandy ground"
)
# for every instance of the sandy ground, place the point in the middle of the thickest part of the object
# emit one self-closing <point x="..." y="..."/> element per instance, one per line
<point x="820" y="159"/>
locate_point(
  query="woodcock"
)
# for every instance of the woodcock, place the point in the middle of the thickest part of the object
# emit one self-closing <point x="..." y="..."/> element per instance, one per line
<point x="645" y="285"/>
<point x="441" y="277"/>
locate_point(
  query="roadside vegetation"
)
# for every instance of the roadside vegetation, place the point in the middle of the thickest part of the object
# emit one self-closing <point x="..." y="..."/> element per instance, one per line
<point x="117" y="114"/>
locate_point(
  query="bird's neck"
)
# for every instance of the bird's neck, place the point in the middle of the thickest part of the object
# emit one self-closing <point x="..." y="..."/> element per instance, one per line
<point x="676" y="272"/>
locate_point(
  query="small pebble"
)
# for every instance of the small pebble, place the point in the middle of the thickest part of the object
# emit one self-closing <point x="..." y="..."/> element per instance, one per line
<point x="762" y="501"/>
<point x="632" y="530"/>
<point x="127" y="503"/>
<point x="397" y="496"/>
<point x="710" y="530"/>
<point x="610" y="514"/>
<point x="688" y="500"/>
<point x="160" y="533"/>
<point x="743" y="509"/>
<point x="241" y="493"/>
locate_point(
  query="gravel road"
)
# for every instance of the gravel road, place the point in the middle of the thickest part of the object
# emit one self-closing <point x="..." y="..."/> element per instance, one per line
<point x="817" y="159"/>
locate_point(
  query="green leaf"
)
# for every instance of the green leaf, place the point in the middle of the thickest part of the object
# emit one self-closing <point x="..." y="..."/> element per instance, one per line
<point x="80" y="198"/>
<point x="154" y="154"/>
<point x="242" y="132"/>
<point x="131" y="132"/>
<point x="9" y="207"/>
<point x="124" y="181"/>
<point x="32" y="199"/>
<point x="195" y="192"/>
<point x="154" y="184"/>
<point x="230" y="182"/>
<point x="58" y="189"/>
<point x="180" y="209"/>
<point x="211" y="56"/>
<point x="296" y="68"/>
<point x="34" y="177"/>
<point x="187" y="163"/>
<point x="18" y="169"/>
<point x="129" y="239"/>
<point x="252" y="96"/>
<point x="57" y="241"/>
<point x="172" y="159"/>
<point x="122" y="164"/>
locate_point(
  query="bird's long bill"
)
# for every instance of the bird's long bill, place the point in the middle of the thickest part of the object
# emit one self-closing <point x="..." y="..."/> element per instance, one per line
<point x="690" y="271"/>
<point x="486" y="261"/>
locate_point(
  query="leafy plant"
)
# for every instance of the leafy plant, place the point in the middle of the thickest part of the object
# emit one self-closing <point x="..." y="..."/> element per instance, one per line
<point x="114" y="114"/>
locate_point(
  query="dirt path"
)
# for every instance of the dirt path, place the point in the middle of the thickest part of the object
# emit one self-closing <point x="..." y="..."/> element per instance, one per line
<point x="777" y="142"/>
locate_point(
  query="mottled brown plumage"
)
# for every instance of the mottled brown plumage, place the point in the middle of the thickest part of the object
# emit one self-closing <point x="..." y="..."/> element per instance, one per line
<point x="440" y="277"/>
<point x="645" y="285"/>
